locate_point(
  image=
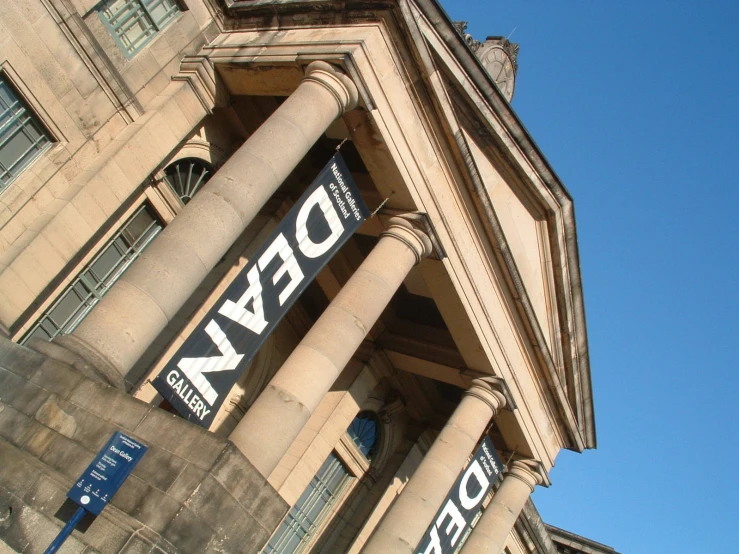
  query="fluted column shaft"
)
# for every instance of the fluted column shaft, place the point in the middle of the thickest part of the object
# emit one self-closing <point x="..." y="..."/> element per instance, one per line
<point x="403" y="527"/>
<point x="491" y="533"/>
<point x="273" y="422"/>
<point x="138" y="307"/>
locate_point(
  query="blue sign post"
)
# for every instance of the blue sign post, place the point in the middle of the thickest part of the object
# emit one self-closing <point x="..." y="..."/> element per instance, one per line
<point x="100" y="481"/>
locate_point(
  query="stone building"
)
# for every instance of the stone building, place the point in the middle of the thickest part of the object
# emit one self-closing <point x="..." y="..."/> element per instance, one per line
<point x="149" y="148"/>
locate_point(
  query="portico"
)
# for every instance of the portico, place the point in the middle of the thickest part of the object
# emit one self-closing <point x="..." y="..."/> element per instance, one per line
<point x="455" y="313"/>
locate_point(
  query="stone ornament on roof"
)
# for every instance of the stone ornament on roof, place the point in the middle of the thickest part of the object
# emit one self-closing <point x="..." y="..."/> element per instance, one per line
<point x="499" y="57"/>
<point x="461" y="27"/>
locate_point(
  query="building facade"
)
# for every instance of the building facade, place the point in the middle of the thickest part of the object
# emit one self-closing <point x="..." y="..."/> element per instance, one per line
<point x="149" y="149"/>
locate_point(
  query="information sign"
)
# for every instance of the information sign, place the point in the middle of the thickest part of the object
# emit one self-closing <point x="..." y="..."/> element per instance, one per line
<point x="107" y="472"/>
<point x="100" y="481"/>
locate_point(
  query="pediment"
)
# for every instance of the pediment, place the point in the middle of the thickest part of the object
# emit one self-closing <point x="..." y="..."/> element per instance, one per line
<point x="525" y="230"/>
<point x="527" y="216"/>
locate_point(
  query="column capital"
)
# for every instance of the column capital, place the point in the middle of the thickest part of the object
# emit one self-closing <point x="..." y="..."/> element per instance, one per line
<point x="336" y="82"/>
<point x="488" y="391"/>
<point x="409" y="230"/>
<point x="527" y="471"/>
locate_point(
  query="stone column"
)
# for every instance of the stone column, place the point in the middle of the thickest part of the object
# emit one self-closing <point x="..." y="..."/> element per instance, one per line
<point x="404" y="524"/>
<point x="491" y="532"/>
<point x="273" y="422"/>
<point x="149" y="294"/>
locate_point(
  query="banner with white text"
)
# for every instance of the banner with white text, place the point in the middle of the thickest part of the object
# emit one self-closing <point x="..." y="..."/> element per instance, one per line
<point x="452" y="523"/>
<point x="202" y="372"/>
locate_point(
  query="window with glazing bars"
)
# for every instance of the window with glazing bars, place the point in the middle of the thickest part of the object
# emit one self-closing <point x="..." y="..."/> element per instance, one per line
<point x="97" y="277"/>
<point x="304" y="519"/>
<point x="133" y="23"/>
<point x="301" y="523"/>
<point x="22" y="137"/>
<point x="187" y="176"/>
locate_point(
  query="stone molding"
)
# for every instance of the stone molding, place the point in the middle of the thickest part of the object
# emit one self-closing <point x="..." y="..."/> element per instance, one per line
<point x="392" y="407"/>
<point x="461" y="27"/>
<point x="527" y="471"/>
<point x="95" y="59"/>
<point x="497" y="383"/>
<point x="198" y="71"/>
<point x="408" y="230"/>
<point x="337" y="83"/>
<point x="488" y="391"/>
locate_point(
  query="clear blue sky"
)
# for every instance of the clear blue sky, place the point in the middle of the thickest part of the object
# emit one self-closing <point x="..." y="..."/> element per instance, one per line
<point x="636" y="106"/>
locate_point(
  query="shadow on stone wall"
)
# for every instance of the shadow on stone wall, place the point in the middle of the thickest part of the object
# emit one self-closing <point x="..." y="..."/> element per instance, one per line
<point x="192" y="492"/>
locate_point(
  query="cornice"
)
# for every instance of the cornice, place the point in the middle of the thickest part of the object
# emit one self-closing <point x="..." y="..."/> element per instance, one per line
<point x="530" y="524"/>
<point x="587" y="546"/>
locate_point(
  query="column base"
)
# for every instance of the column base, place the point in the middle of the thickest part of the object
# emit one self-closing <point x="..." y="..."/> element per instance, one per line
<point x="71" y="351"/>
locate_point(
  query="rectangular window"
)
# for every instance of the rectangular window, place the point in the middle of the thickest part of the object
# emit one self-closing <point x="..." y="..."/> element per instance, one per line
<point x="301" y="523"/>
<point x="22" y="137"/>
<point x="97" y="277"/>
<point x="134" y="22"/>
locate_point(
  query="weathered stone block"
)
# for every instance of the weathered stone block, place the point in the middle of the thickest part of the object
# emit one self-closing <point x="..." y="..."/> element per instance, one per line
<point x="147" y="504"/>
<point x="19" y="360"/>
<point x="39" y="441"/>
<point x="27" y="530"/>
<point x="17" y="475"/>
<point x="45" y="495"/>
<point x="67" y="457"/>
<point x="57" y="378"/>
<point x="243" y="539"/>
<point x="212" y="503"/>
<point x="249" y="488"/>
<point x="108" y="403"/>
<point x="187" y="482"/>
<point x="105" y="535"/>
<point x="54" y="417"/>
<point x="15" y="426"/>
<point x="131" y="493"/>
<point x="13" y="537"/>
<point x="16" y="391"/>
<point x="160" y="468"/>
<point x="135" y="545"/>
<point x="75" y="423"/>
<point x="186" y="440"/>
<point x="188" y="529"/>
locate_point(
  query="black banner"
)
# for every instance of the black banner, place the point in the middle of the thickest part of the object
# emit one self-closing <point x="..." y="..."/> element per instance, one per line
<point x="200" y="375"/>
<point x="463" y="502"/>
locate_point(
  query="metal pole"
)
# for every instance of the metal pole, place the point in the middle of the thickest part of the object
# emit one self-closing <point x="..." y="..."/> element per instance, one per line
<point x="57" y="543"/>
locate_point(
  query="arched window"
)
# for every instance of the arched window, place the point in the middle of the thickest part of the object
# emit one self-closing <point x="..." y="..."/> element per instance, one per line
<point x="326" y="487"/>
<point x="364" y="432"/>
<point x="187" y="176"/>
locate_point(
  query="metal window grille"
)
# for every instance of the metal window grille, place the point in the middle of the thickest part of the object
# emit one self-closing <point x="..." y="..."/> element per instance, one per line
<point x="97" y="277"/>
<point x="364" y="432"/>
<point x="302" y="522"/>
<point x="22" y="137"/>
<point x="187" y="176"/>
<point x="133" y="23"/>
